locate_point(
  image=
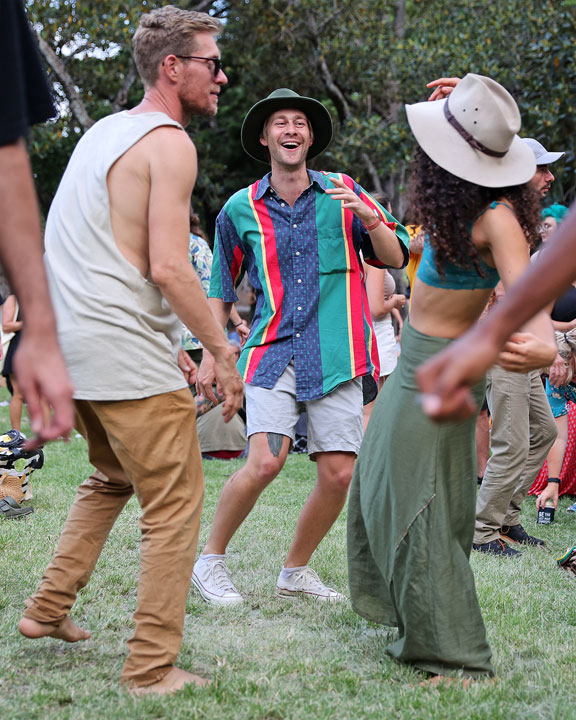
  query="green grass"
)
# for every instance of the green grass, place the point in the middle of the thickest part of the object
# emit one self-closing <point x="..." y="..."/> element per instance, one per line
<point x="272" y="659"/>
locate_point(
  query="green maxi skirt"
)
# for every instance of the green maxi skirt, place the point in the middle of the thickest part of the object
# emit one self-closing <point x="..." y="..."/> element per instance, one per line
<point x="411" y="523"/>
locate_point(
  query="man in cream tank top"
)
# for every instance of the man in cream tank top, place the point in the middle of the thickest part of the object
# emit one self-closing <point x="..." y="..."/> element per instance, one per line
<point x="117" y="263"/>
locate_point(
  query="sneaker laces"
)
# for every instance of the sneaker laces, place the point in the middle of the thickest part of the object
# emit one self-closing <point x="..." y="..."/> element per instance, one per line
<point x="221" y="576"/>
<point x="309" y="580"/>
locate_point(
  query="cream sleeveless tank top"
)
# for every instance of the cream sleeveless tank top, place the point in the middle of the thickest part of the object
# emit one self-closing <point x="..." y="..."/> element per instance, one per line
<point x="118" y="334"/>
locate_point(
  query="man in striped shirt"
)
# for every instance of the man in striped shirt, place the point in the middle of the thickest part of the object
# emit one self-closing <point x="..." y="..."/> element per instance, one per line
<point x="298" y="234"/>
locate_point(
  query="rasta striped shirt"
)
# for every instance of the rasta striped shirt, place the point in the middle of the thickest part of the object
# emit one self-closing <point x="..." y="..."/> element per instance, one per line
<point x="305" y="267"/>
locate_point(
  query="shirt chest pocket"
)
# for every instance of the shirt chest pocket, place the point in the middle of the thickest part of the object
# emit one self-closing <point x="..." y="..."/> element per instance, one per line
<point x="333" y="252"/>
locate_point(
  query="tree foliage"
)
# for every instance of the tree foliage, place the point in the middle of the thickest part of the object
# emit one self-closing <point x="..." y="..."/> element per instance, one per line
<point x="363" y="59"/>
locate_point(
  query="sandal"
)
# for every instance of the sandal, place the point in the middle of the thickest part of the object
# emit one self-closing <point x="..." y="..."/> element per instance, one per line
<point x="9" y="508"/>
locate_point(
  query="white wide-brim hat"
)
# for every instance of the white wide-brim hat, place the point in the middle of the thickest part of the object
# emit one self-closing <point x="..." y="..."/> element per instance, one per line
<point x="473" y="134"/>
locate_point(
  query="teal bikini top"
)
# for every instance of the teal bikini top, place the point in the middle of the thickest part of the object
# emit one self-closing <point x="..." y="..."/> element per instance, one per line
<point x="458" y="278"/>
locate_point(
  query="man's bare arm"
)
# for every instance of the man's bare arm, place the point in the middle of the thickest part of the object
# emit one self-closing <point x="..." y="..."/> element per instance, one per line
<point x="172" y="176"/>
<point x="39" y="364"/>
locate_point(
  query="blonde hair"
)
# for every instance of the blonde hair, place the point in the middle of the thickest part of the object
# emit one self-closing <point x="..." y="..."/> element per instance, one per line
<point x="165" y="31"/>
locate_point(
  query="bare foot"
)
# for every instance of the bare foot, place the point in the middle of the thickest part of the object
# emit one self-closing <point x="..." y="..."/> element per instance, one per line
<point x="66" y="630"/>
<point x="174" y="680"/>
<point x="441" y="680"/>
<point x="463" y="682"/>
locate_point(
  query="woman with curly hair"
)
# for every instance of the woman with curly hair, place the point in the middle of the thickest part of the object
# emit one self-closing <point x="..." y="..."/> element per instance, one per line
<point x="412" y="502"/>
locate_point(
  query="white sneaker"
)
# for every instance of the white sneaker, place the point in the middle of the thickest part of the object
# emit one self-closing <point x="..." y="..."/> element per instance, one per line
<point x="306" y="582"/>
<point x="212" y="580"/>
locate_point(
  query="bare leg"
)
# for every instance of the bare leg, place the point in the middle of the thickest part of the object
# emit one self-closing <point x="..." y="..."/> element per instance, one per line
<point x="266" y="458"/>
<point x="323" y="505"/>
<point x="16" y="404"/>
<point x="66" y="630"/>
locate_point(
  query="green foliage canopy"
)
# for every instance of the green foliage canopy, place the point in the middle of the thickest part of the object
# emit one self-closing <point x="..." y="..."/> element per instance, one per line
<point x="363" y="59"/>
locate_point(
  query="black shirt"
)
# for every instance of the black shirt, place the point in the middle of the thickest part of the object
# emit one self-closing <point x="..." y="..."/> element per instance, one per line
<point x="26" y="97"/>
<point x="564" y="309"/>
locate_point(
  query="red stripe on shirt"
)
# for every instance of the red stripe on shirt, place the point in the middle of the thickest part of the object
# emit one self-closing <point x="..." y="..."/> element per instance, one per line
<point x="357" y="316"/>
<point x="236" y="267"/>
<point x="271" y="270"/>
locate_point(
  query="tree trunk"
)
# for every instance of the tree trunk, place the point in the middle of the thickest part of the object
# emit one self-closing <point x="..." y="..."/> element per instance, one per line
<point x="76" y="103"/>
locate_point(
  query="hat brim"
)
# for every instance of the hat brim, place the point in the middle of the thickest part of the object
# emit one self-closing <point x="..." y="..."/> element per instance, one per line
<point x="447" y="148"/>
<point x="549" y="158"/>
<point x="316" y="113"/>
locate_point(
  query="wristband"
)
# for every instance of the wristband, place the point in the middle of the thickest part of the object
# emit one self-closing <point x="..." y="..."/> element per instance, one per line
<point x="374" y="225"/>
<point x="238" y="324"/>
<point x="554" y="480"/>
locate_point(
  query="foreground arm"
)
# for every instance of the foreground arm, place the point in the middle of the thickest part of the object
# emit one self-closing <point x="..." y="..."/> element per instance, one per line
<point x="39" y="365"/>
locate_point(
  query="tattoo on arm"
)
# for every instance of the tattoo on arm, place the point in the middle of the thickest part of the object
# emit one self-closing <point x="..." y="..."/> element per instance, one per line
<point x="203" y="404"/>
<point x="275" y="441"/>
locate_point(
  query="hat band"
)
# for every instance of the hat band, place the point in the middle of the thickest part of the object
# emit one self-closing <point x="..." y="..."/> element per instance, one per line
<point x="476" y="144"/>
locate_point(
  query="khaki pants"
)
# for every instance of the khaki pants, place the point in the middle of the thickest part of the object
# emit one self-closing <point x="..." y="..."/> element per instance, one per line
<point x="523" y="431"/>
<point x="148" y="447"/>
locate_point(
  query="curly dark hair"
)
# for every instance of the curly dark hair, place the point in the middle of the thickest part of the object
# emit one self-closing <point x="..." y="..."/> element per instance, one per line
<point x="445" y="206"/>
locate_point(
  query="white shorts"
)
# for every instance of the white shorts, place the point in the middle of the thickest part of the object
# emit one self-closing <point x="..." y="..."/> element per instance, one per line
<point x="387" y="347"/>
<point x="334" y="422"/>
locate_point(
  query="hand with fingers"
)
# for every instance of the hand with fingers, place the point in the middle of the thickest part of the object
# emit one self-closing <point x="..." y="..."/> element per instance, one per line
<point x="188" y="366"/>
<point x="550" y="492"/>
<point x="229" y="385"/>
<point x="558" y="372"/>
<point x="399" y="300"/>
<point x="351" y="201"/>
<point x="442" y="87"/>
<point x="524" y="352"/>
<point x="43" y="379"/>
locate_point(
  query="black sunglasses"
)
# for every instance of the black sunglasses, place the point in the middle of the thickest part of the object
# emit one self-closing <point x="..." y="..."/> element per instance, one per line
<point x="217" y="66"/>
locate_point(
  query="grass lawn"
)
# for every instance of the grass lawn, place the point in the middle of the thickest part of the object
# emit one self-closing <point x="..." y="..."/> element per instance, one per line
<point x="270" y="658"/>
